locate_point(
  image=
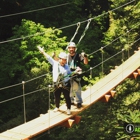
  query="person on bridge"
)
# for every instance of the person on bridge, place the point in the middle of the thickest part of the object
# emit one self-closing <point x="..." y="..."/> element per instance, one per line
<point x="61" y="79"/>
<point x="74" y="59"/>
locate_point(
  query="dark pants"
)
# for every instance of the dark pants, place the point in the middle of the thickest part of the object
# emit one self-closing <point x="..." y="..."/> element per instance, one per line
<point x="66" y="92"/>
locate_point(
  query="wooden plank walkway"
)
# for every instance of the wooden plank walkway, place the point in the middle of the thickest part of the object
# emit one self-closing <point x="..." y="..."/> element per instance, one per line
<point x="51" y="119"/>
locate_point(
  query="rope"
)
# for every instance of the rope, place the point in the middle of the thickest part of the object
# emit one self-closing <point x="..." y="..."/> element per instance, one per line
<point x="78" y="26"/>
<point x="86" y="28"/>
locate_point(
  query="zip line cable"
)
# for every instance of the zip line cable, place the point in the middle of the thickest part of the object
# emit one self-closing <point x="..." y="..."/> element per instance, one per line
<point x="65" y="26"/>
<point x="24" y="37"/>
<point x="31" y="11"/>
<point x="78" y="26"/>
<point x="88" y="55"/>
<point x="123" y="5"/>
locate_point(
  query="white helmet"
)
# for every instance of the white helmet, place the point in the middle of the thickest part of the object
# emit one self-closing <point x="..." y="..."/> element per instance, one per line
<point x="71" y="44"/>
<point x="63" y="55"/>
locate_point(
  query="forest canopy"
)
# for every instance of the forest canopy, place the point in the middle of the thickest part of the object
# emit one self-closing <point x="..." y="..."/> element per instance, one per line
<point x="100" y="28"/>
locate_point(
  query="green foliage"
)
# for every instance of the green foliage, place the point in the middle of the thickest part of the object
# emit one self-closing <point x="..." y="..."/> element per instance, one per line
<point x="21" y="61"/>
<point x="28" y="63"/>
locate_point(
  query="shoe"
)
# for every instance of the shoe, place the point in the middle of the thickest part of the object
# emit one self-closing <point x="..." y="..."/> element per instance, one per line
<point x="79" y="105"/>
<point x="68" y="112"/>
<point x="72" y="103"/>
<point x="56" y="109"/>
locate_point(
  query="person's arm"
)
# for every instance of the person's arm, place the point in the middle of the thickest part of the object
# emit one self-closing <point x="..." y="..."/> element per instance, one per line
<point x="85" y="58"/>
<point x="54" y="56"/>
<point x="50" y="59"/>
<point x="43" y="52"/>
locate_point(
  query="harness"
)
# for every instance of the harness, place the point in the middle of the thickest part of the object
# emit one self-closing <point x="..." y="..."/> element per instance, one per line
<point x="60" y="83"/>
<point x="73" y="66"/>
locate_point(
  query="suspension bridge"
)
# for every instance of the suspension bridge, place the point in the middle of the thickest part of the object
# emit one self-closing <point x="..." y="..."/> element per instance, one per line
<point x="102" y="90"/>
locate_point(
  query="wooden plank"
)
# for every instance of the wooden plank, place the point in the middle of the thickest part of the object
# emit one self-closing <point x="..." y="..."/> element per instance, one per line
<point x="13" y="135"/>
<point x="2" y="137"/>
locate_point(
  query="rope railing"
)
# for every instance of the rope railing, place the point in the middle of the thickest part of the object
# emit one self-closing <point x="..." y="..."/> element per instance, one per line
<point x="10" y="86"/>
<point x="26" y="81"/>
<point x="91" y="68"/>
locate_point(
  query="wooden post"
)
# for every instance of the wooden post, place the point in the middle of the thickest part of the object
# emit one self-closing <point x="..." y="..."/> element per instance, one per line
<point x="112" y="92"/>
<point x="135" y="74"/>
<point x="77" y="119"/>
<point x="68" y="123"/>
<point x="105" y="98"/>
<point x="111" y="70"/>
<point x="116" y="67"/>
<point x="138" y="70"/>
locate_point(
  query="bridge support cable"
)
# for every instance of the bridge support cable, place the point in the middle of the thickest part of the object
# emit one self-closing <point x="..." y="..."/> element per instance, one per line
<point x="24" y="102"/>
<point x="128" y="44"/>
<point x="102" y="64"/>
<point x="90" y="82"/>
<point x="49" y="87"/>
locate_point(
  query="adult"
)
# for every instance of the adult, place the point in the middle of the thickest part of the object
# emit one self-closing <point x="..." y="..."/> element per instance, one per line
<point x="74" y="59"/>
<point x="61" y="72"/>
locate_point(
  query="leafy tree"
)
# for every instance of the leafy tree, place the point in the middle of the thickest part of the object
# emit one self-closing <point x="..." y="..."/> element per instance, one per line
<point x="124" y="26"/>
<point x="21" y="61"/>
